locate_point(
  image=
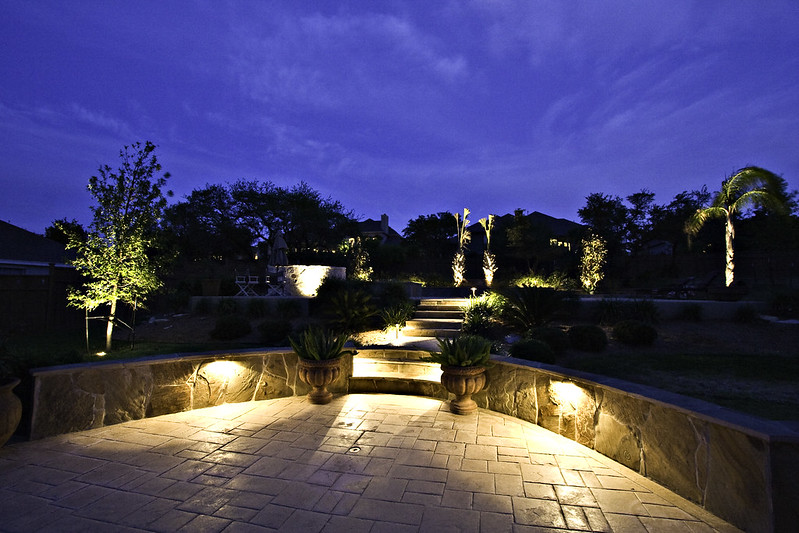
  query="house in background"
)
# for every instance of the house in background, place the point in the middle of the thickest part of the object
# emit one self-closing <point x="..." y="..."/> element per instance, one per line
<point x="34" y="276"/>
<point x="379" y="230"/>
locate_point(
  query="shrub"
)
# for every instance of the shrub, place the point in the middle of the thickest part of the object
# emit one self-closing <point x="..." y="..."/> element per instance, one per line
<point x="230" y="327"/>
<point x="554" y="337"/>
<point x="691" y="313"/>
<point x="275" y="331"/>
<point x="480" y="315"/>
<point x="350" y="311"/>
<point x="556" y="280"/>
<point x="525" y="308"/>
<point x="588" y="338"/>
<point x="532" y="350"/>
<point x="612" y="311"/>
<point x="634" y="333"/>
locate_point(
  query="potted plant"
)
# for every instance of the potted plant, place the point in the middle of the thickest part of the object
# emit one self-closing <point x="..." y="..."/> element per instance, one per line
<point x="463" y="361"/>
<point x="319" y="364"/>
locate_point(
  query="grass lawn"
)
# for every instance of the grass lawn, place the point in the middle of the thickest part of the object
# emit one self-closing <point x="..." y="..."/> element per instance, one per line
<point x="763" y="385"/>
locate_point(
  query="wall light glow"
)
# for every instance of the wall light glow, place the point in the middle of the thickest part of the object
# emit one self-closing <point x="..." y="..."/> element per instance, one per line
<point x="567" y="395"/>
<point x="222" y="370"/>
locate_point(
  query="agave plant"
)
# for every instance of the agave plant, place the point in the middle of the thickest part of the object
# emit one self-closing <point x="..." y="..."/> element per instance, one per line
<point x="320" y="345"/>
<point x="465" y="350"/>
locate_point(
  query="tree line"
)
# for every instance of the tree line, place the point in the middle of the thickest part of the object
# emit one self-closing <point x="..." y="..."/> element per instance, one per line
<point x="135" y="236"/>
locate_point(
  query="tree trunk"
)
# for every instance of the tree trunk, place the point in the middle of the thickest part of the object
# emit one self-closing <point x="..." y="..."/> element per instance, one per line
<point x="730" y="264"/>
<point x="109" y="329"/>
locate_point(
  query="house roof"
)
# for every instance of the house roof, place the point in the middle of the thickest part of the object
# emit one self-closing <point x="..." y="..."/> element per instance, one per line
<point x="370" y="227"/>
<point x="22" y="246"/>
<point x="560" y="227"/>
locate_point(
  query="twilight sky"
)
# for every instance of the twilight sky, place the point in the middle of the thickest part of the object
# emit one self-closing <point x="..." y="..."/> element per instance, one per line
<point x="398" y="107"/>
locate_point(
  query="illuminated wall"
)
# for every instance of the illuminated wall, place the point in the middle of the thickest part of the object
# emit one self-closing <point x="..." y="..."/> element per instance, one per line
<point x="304" y="280"/>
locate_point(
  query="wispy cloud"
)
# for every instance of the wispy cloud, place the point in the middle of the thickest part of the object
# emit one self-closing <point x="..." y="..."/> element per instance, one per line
<point x="101" y="121"/>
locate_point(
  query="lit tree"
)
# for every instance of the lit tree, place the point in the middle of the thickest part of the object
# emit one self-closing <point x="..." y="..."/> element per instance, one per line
<point x="116" y="255"/>
<point x="489" y="260"/>
<point x="459" y="261"/>
<point x="361" y="270"/>
<point x="750" y="187"/>
<point x="592" y="262"/>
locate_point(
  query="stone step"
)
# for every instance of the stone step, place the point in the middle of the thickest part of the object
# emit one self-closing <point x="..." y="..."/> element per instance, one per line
<point x="424" y="313"/>
<point x="434" y="323"/>
<point x="437" y="333"/>
<point x="436" y="317"/>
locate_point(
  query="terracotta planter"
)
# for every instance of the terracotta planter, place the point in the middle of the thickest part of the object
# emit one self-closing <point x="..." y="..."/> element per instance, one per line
<point x="463" y="381"/>
<point x="10" y="409"/>
<point x="319" y="374"/>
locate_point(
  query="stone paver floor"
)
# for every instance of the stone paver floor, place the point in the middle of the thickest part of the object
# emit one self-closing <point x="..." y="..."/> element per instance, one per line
<point x="364" y="463"/>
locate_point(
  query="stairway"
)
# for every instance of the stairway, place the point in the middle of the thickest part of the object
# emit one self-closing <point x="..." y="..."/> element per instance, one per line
<point x="436" y="317"/>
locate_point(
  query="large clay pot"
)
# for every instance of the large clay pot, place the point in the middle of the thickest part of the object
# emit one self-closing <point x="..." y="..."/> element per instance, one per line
<point x="463" y="381"/>
<point x="319" y="374"/>
<point x="10" y="409"/>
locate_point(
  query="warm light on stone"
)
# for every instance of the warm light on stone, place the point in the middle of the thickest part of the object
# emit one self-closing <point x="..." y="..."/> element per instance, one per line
<point x="222" y="370"/>
<point x="568" y="396"/>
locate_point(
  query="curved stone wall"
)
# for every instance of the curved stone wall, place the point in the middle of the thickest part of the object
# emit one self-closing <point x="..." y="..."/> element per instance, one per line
<point x="740" y="468"/>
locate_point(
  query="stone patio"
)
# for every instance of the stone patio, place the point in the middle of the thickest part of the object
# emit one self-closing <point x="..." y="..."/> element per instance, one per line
<point x="375" y="462"/>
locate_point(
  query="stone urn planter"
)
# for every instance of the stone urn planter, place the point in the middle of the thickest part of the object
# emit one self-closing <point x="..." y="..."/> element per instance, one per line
<point x="319" y="374"/>
<point x="319" y="362"/>
<point x="10" y="409"/>
<point x="463" y="363"/>
<point x="463" y="381"/>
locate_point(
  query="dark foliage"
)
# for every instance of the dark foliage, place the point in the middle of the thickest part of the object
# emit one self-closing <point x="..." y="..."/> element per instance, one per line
<point x="231" y="327"/>
<point x="588" y="338"/>
<point x="525" y="308"/>
<point x="533" y="350"/>
<point x="635" y="333"/>
<point x="556" y="338"/>
<point x="275" y="331"/>
<point x="612" y="311"/>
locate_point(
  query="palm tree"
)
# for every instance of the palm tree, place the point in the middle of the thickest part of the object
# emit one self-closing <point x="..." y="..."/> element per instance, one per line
<point x="748" y="187"/>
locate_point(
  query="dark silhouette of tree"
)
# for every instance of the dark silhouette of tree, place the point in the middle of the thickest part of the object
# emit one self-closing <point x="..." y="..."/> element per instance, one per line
<point x="204" y="226"/>
<point x="61" y="230"/>
<point x="607" y="216"/>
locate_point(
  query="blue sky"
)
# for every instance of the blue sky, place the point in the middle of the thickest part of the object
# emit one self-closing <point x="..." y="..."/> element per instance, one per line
<point x="404" y="108"/>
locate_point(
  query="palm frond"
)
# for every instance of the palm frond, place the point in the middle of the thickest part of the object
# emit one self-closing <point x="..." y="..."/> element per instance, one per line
<point x="698" y="219"/>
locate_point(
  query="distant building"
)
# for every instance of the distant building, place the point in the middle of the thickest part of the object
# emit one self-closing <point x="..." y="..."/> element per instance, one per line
<point x="34" y="276"/>
<point x="379" y="230"/>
